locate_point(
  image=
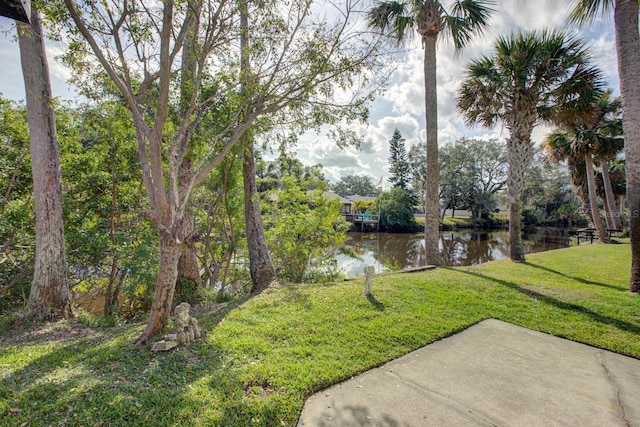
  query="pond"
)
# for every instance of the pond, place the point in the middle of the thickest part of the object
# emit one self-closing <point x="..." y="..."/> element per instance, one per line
<point x="397" y="251"/>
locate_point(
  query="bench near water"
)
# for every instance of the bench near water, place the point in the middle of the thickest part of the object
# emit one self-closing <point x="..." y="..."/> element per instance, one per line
<point x="589" y="234"/>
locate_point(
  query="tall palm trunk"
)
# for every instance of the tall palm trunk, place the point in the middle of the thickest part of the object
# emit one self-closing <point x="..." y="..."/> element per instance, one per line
<point x="593" y="199"/>
<point x="49" y="295"/>
<point x="628" y="50"/>
<point x="519" y="155"/>
<point x="432" y="184"/>
<point x="577" y="175"/>
<point x="614" y="213"/>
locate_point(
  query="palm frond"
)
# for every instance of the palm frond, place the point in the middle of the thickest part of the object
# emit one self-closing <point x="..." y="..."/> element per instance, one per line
<point x="543" y="75"/>
<point x="558" y="146"/>
<point x="587" y="11"/>
<point x="477" y="100"/>
<point x="393" y="18"/>
<point x="466" y="19"/>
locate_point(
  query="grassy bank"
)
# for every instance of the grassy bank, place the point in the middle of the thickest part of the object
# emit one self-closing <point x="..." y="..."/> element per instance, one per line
<point x="260" y="359"/>
<point x="462" y="222"/>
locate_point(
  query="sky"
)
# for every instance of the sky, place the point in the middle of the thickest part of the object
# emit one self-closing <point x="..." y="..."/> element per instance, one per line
<point x="401" y="106"/>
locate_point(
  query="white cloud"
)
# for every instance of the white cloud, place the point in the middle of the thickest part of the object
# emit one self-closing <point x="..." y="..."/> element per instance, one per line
<point x="12" y="82"/>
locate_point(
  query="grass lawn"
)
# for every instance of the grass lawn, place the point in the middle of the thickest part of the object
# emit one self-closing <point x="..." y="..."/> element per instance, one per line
<point x="458" y="222"/>
<point x="261" y="357"/>
<point x="449" y="222"/>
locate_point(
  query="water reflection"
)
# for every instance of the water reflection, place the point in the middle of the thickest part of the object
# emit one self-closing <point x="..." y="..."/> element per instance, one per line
<point x="392" y="251"/>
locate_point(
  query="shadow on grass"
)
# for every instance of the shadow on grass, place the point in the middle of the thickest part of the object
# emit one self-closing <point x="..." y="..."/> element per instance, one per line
<point x="577" y="279"/>
<point x="377" y="304"/>
<point x="563" y="305"/>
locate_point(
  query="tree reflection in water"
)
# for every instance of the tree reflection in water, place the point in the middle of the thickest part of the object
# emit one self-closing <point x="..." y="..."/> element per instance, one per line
<point x="396" y="251"/>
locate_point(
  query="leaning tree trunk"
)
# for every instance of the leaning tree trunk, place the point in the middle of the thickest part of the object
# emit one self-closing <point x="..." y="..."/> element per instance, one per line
<point x="628" y="50"/>
<point x="49" y="294"/>
<point x="170" y="251"/>
<point x="432" y="176"/>
<point x="519" y="155"/>
<point x="614" y="213"/>
<point x="260" y="264"/>
<point x="578" y="177"/>
<point x="593" y="200"/>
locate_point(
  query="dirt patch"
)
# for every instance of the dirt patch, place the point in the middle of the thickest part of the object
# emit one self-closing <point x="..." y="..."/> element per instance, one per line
<point x="256" y="389"/>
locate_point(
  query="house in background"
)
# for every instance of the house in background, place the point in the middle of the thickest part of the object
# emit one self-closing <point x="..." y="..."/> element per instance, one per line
<point x="347" y="209"/>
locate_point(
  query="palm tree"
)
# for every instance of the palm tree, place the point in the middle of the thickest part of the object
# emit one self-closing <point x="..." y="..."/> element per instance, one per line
<point x="589" y="135"/>
<point x="610" y="143"/>
<point x="529" y="77"/>
<point x="430" y="18"/>
<point x="625" y="18"/>
<point x="581" y="148"/>
<point x="558" y="147"/>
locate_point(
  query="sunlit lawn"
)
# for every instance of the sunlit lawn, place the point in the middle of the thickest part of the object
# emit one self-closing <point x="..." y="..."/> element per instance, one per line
<point x="261" y="359"/>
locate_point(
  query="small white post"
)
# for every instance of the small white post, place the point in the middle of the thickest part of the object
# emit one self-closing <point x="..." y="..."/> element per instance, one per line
<point x="369" y="273"/>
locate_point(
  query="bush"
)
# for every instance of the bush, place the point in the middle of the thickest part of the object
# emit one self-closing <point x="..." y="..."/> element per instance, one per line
<point x="303" y="229"/>
<point x="396" y="209"/>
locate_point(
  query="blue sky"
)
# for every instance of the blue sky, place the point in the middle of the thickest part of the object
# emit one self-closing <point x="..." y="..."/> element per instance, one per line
<point x="402" y="104"/>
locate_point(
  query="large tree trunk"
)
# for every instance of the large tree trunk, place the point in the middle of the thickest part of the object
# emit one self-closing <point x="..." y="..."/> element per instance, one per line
<point x="614" y="213"/>
<point x="188" y="267"/>
<point x="260" y="264"/>
<point x="432" y="176"/>
<point x="170" y="251"/>
<point x="628" y="50"/>
<point x="593" y="200"/>
<point x="49" y="294"/>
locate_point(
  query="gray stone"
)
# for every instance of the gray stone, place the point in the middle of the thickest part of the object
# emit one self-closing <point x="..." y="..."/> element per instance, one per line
<point x="164" y="345"/>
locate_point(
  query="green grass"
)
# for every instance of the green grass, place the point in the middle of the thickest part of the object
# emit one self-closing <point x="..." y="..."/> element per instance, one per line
<point x="458" y="222"/>
<point x="449" y="222"/>
<point x="262" y="357"/>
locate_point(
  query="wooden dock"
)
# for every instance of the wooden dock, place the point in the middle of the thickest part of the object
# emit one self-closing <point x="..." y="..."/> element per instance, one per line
<point x="364" y="220"/>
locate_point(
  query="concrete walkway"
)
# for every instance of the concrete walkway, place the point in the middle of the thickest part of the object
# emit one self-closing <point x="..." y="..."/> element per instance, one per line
<point x="491" y="374"/>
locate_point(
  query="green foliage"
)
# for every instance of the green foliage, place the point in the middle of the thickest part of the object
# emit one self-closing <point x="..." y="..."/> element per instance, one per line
<point x="218" y="209"/>
<point x="103" y="204"/>
<point x="351" y="185"/>
<point x="460" y="21"/>
<point x="418" y="167"/>
<point x="271" y="174"/>
<point x="547" y="74"/>
<point x="16" y="207"/>
<point x="364" y="205"/>
<point x="396" y="208"/>
<point x="548" y="195"/>
<point x="188" y="291"/>
<point x="302" y="230"/>
<point x="399" y="168"/>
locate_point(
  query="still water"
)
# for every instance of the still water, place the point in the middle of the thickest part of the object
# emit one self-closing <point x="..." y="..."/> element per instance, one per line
<point x="396" y="251"/>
